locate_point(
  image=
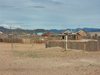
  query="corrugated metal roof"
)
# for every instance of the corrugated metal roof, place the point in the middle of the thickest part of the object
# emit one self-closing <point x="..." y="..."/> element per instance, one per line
<point x="74" y="30"/>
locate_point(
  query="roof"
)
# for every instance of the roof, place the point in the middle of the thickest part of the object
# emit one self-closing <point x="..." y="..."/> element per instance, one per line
<point x="66" y="32"/>
<point x="72" y="34"/>
<point x="63" y="32"/>
<point x="40" y="33"/>
<point x="45" y="34"/>
<point x="74" y="31"/>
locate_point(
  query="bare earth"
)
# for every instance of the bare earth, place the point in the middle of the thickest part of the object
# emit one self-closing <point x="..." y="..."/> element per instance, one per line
<point x="35" y="59"/>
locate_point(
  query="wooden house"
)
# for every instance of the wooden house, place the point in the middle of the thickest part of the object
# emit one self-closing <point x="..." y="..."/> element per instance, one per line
<point x="46" y="35"/>
<point x="0" y="33"/>
<point x="82" y="33"/>
<point x="76" y="35"/>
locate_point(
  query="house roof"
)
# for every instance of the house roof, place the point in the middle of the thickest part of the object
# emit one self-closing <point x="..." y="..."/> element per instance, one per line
<point x="45" y="34"/>
<point x="66" y="32"/>
<point x="63" y="32"/>
<point x="40" y="33"/>
<point x="75" y="32"/>
<point x="72" y="34"/>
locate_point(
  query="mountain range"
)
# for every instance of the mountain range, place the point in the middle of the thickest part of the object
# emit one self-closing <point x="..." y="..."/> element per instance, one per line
<point x="20" y="31"/>
<point x="85" y="29"/>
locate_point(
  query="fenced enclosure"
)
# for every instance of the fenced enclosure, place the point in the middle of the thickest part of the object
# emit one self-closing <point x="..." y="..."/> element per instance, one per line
<point x="23" y="41"/>
<point x="91" y="37"/>
<point x="56" y="43"/>
<point x="9" y="40"/>
<point x="86" y="46"/>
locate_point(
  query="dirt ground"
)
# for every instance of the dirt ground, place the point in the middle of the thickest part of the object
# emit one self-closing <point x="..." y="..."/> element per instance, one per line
<point x="35" y="59"/>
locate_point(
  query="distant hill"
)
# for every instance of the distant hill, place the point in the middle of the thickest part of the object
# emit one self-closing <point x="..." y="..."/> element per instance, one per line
<point x="20" y="31"/>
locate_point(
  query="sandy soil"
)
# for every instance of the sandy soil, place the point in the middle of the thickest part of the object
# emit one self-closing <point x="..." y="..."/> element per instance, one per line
<point x="35" y="59"/>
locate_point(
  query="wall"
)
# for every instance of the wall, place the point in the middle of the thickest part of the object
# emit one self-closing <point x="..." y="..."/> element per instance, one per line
<point x="83" y="33"/>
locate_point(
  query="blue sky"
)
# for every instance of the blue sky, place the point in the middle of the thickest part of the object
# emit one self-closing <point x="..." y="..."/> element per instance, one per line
<point x="50" y="14"/>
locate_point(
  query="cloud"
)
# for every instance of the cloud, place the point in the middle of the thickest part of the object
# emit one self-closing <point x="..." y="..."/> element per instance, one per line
<point x="58" y="3"/>
<point x="48" y="2"/>
<point x="5" y="25"/>
<point x="12" y="26"/>
<point x="32" y="14"/>
<point x="36" y="7"/>
<point x="6" y="6"/>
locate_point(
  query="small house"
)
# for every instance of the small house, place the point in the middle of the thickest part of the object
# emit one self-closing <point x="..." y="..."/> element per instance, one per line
<point x="76" y="35"/>
<point x="46" y="35"/>
<point x="1" y="33"/>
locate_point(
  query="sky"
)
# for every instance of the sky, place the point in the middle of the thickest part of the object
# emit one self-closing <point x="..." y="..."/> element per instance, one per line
<point x="50" y="14"/>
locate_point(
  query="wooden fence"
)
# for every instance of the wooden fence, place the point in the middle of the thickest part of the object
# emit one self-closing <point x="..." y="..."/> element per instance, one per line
<point x="10" y="40"/>
<point x="86" y="46"/>
<point x="23" y="41"/>
<point x="56" y="43"/>
<point x="1" y="40"/>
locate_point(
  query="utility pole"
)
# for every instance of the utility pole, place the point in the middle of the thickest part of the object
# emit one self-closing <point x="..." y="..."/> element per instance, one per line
<point x="79" y="27"/>
<point x="11" y="38"/>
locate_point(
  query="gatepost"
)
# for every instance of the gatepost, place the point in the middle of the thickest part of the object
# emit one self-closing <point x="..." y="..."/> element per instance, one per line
<point x="66" y="42"/>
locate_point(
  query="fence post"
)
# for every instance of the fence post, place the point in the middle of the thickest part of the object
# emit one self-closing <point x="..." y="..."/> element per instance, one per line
<point x="84" y="46"/>
<point x="66" y="42"/>
<point x="98" y="45"/>
<point x="46" y="45"/>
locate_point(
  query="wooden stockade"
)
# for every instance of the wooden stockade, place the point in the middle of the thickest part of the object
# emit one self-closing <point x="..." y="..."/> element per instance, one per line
<point x="39" y="41"/>
<point x="23" y="41"/>
<point x="14" y="40"/>
<point x="1" y="40"/>
<point x="86" y="46"/>
<point x="56" y="44"/>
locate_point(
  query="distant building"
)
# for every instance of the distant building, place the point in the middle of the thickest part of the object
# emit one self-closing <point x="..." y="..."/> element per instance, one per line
<point x="1" y="33"/>
<point x="46" y="35"/>
<point x="93" y="33"/>
<point x="23" y="33"/>
<point x="39" y="33"/>
<point x="75" y="34"/>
